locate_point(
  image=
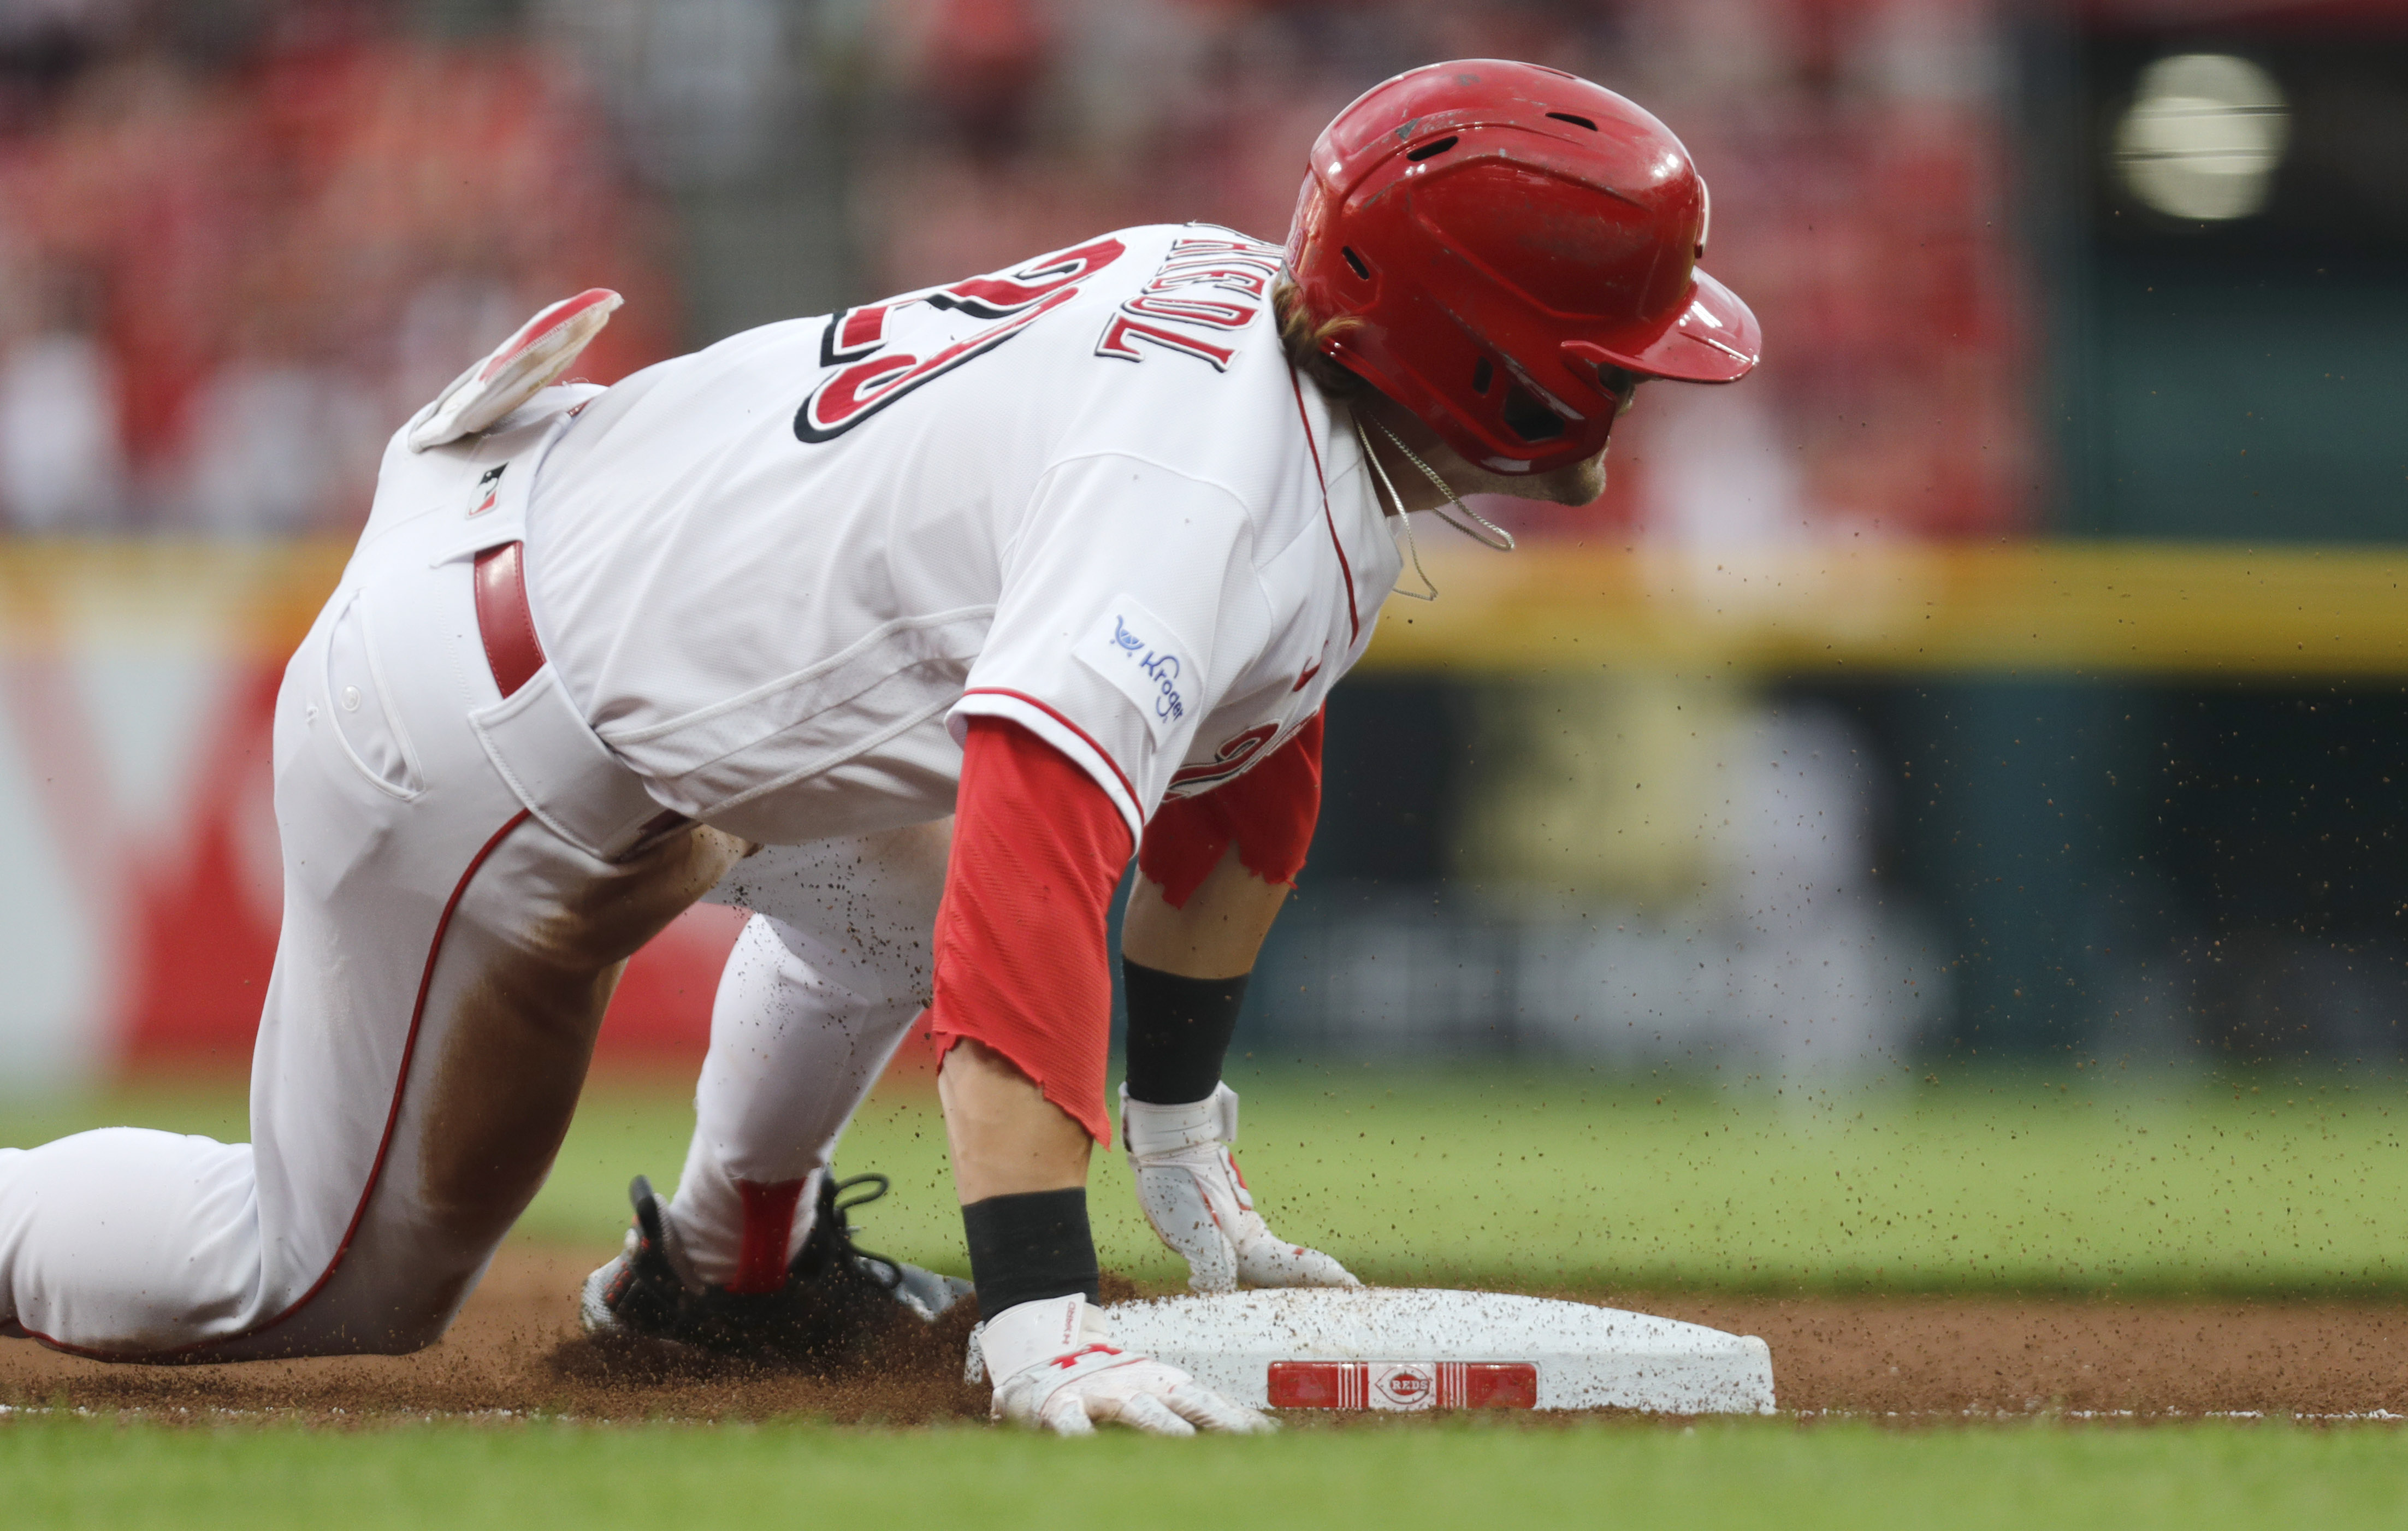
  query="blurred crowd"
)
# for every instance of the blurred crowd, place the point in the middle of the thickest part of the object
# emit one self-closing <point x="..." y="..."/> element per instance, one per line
<point x="237" y="249"/>
<point x="241" y="239"/>
<point x="1856" y="150"/>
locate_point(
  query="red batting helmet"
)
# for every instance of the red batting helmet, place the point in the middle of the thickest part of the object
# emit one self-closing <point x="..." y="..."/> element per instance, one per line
<point x="1504" y="234"/>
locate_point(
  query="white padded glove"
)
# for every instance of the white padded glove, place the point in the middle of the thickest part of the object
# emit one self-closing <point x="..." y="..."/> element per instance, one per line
<point x="1187" y="1182"/>
<point x="1055" y="1367"/>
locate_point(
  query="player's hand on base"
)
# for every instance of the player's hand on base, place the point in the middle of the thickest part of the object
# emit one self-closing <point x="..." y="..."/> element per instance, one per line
<point x="1055" y="1367"/>
<point x="1188" y="1183"/>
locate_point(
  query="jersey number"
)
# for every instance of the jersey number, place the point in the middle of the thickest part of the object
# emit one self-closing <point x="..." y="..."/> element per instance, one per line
<point x="869" y="376"/>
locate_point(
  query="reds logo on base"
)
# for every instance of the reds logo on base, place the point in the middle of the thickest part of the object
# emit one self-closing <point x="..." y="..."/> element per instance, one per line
<point x="1402" y="1386"/>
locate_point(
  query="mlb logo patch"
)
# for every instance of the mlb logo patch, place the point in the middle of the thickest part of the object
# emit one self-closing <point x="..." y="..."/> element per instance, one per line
<point x="489" y="489"/>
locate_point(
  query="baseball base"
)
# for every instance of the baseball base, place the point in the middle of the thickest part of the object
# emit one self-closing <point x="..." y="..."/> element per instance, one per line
<point x="1413" y="1350"/>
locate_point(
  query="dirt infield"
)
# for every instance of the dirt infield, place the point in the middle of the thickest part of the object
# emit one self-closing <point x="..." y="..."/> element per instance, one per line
<point x="515" y="1349"/>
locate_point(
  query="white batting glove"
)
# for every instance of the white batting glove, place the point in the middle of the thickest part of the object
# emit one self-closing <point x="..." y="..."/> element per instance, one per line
<point x="1187" y="1182"/>
<point x="1057" y="1368"/>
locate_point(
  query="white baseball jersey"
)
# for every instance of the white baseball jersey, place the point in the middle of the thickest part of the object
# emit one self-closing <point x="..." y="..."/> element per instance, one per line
<point x="1085" y="496"/>
<point x="778" y="576"/>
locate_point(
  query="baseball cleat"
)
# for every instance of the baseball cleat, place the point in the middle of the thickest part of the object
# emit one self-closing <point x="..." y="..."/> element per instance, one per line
<point x="837" y="1299"/>
<point x="1189" y="1185"/>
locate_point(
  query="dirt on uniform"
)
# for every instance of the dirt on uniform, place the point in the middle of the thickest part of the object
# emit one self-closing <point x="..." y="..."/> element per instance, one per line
<point x="516" y="1348"/>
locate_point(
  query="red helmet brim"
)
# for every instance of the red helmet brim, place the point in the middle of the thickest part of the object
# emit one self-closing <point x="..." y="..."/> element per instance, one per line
<point x="1715" y="340"/>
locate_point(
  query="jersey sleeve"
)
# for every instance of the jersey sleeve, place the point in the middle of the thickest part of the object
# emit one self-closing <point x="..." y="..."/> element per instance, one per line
<point x="1129" y="606"/>
<point x="1023" y="964"/>
<point x="1267" y="813"/>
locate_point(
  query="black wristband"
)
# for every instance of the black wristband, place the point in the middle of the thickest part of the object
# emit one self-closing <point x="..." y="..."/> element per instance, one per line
<point x="1179" y="1030"/>
<point x="1029" y="1246"/>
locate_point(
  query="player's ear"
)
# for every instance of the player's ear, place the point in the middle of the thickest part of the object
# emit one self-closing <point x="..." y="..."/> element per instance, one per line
<point x="1623" y="385"/>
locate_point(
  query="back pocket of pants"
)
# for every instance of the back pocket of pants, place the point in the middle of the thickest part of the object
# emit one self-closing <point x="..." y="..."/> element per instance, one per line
<point x="356" y="700"/>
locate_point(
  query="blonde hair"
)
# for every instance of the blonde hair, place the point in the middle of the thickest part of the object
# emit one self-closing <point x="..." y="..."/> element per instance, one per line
<point x="1301" y="338"/>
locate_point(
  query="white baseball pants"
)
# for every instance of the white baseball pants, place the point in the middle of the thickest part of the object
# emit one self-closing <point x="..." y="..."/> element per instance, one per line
<point x="448" y="946"/>
<point x="822" y="987"/>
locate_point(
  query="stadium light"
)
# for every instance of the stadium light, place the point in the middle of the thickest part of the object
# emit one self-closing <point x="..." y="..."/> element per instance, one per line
<point x="2202" y="136"/>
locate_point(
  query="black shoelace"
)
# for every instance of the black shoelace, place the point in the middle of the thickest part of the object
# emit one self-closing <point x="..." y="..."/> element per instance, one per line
<point x="842" y="1230"/>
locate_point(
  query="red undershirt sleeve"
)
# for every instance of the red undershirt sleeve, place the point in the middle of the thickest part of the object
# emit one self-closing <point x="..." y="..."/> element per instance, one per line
<point x="1267" y="813"/>
<point x="1022" y="962"/>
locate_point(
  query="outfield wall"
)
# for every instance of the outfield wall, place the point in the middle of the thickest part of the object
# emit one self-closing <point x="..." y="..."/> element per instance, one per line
<point x="140" y="879"/>
<point x="138" y="868"/>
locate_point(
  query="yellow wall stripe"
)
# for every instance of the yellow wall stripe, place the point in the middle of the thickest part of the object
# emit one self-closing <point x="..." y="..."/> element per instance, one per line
<point x="2019" y="608"/>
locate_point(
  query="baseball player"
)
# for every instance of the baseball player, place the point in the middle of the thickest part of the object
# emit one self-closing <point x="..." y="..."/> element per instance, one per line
<point x="1067" y="555"/>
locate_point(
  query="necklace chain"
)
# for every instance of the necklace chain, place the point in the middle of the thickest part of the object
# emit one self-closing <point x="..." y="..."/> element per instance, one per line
<point x="1490" y="535"/>
<point x="1412" y="548"/>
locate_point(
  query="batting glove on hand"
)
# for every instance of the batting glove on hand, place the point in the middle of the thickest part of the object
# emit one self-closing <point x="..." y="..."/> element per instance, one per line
<point x="1187" y="1182"/>
<point x="1057" y="1368"/>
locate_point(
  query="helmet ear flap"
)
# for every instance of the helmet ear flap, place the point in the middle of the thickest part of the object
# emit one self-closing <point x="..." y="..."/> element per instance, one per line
<point x="1520" y="411"/>
<point x="1529" y="419"/>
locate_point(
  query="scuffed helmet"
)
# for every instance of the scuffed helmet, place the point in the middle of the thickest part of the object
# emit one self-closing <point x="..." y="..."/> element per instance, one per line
<point x="1505" y="240"/>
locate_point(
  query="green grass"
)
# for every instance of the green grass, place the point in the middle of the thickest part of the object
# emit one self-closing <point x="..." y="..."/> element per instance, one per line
<point x="1533" y="1178"/>
<point x="99" y="1473"/>
<point x="1526" y="1178"/>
